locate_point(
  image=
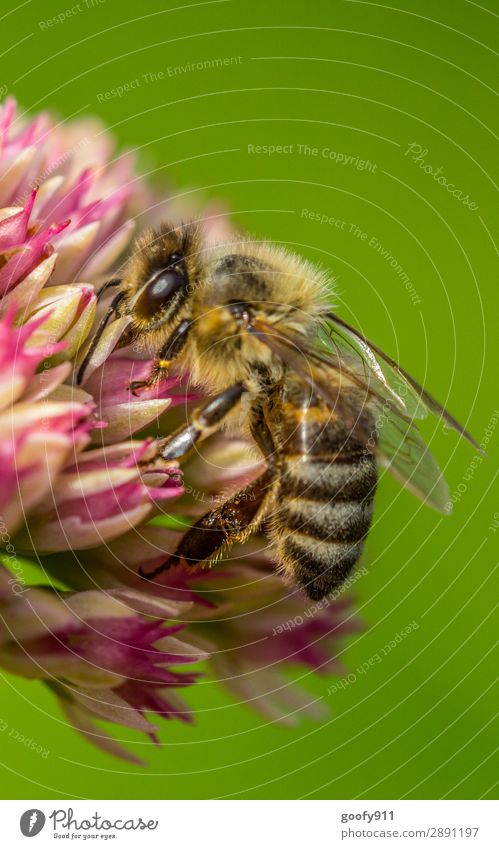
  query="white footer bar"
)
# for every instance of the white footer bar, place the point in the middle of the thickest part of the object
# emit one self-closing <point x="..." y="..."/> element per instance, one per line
<point x="250" y="824"/>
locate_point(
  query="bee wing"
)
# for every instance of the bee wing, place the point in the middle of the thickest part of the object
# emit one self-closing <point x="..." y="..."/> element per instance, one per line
<point x="403" y="452"/>
<point x="400" y="447"/>
<point x="415" y="400"/>
<point x="331" y="374"/>
<point x="363" y="359"/>
<point x="328" y="380"/>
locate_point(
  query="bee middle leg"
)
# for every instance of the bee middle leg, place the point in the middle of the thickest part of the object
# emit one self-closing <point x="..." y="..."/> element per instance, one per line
<point x="205" y="421"/>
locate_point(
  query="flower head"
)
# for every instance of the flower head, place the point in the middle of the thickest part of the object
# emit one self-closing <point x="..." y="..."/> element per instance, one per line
<point x="99" y="497"/>
<point x="254" y="627"/>
<point x="125" y="412"/>
<point x="109" y="655"/>
<point x="72" y="499"/>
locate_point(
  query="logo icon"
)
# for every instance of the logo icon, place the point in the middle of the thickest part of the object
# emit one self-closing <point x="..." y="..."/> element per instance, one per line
<point x="32" y="822"/>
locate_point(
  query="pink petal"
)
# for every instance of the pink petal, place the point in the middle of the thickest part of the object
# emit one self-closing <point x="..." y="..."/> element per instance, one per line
<point x="13" y="229"/>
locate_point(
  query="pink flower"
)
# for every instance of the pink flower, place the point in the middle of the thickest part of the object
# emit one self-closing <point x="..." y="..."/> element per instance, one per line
<point x="77" y="186"/>
<point x="36" y="439"/>
<point x="23" y="247"/>
<point x="66" y="314"/>
<point x="254" y="649"/>
<point x="99" y="497"/>
<point x="252" y="625"/>
<point x="124" y="412"/>
<point x="92" y="199"/>
<point x="105" y="655"/>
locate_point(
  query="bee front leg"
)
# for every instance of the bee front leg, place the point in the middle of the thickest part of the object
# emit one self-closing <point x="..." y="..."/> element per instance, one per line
<point x="170" y="350"/>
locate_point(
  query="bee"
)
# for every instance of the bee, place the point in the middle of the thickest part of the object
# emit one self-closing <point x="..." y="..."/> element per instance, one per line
<point x="252" y="325"/>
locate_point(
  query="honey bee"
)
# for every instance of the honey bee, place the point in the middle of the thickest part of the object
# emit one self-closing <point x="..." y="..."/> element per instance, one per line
<point x="252" y="325"/>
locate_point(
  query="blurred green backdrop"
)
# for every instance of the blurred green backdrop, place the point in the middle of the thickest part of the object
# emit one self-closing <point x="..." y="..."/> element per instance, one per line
<point x="362" y="80"/>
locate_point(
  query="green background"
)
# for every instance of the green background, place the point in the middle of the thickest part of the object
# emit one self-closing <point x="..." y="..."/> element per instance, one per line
<point x="362" y="79"/>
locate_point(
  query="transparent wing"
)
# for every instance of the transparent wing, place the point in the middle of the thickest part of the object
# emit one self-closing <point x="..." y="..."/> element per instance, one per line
<point x="328" y="381"/>
<point x="343" y="359"/>
<point x="403" y="452"/>
<point x="416" y="401"/>
<point x="362" y="358"/>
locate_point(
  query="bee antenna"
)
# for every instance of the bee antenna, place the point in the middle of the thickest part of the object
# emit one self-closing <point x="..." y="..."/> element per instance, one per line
<point x="109" y="285"/>
<point x="98" y="334"/>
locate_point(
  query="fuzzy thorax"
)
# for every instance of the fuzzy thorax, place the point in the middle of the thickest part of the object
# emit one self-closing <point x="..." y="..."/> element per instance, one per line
<point x="221" y="353"/>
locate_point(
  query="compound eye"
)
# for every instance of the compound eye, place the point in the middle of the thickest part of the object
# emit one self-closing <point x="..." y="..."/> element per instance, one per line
<point x="161" y="290"/>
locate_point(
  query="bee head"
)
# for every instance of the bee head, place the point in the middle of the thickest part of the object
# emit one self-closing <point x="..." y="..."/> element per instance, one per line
<point x="164" y="266"/>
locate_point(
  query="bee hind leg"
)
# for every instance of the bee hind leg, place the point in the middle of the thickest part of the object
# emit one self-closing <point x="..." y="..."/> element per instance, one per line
<point x="241" y="514"/>
<point x="233" y="521"/>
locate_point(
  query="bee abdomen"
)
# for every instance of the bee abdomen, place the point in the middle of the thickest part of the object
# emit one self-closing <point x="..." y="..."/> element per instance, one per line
<point x="323" y="517"/>
<point x="316" y="566"/>
<point x="340" y="522"/>
<point x="344" y="477"/>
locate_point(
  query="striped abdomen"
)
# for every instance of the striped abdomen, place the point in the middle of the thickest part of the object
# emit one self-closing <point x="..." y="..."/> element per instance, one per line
<point x="324" y="497"/>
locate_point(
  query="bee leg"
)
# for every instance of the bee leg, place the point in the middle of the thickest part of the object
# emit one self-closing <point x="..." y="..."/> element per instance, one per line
<point x="205" y="421"/>
<point x="230" y="522"/>
<point x="170" y="350"/>
<point x="235" y="519"/>
<point x="113" y="306"/>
